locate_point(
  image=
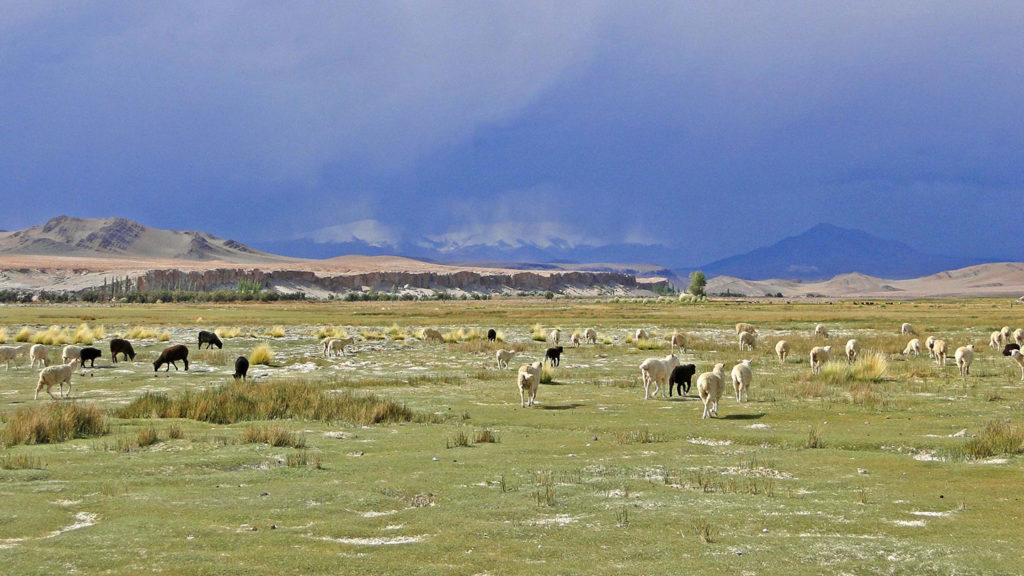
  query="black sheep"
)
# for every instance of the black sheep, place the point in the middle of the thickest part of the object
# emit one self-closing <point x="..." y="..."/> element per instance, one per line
<point x="170" y="356"/>
<point x="492" y="335"/>
<point x="1009" y="347"/>
<point x="121" y="346"/>
<point x="90" y="355"/>
<point x="681" y="376"/>
<point x="210" y="339"/>
<point x="241" y="367"/>
<point x="554" y="355"/>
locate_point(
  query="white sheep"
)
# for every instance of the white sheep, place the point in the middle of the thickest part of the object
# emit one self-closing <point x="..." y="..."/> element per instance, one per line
<point x="69" y="353"/>
<point x="939" y="348"/>
<point x="1005" y="331"/>
<point x="929" y="342"/>
<point x="575" y="339"/>
<point x="744" y="327"/>
<point x="964" y="355"/>
<point x="907" y="328"/>
<point x="38" y="354"/>
<point x="555" y="336"/>
<point x="333" y="345"/>
<point x="995" y="340"/>
<point x="590" y="335"/>
<point x="432" y="334"/>
<point x="913" y="347"/>
<point x="528" y="380"/>
<point x="503" y="356"/>
<point x="747" y="341"/>
<point x="657" y="370"/>
<point x="8" y="353"/>
<point x="742" y="377"/>
<point x="782" y="350"/>
<point x="852" y="350"/>
<point x="58" y="374"/>
<point x="819" y="356"/>
<point x="1019" y="359"/>
<point x="709" y="387"/>
<point x="1018" y="336"/>
<point x="677" y="341"/>
<point x="820" y="330"/>
<point x="641" y="334"/>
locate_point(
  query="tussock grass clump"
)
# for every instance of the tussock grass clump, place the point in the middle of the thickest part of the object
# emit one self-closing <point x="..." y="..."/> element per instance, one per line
<point x="486" y="436"/>
<point x="459" y="440"/>
<point x="638" y="436"/>
<point x="331" y="332"/>
<point x="52" y="336"/>
<point x="174" y="432"/>
<point x="814" y="439"/>
<point x="53" y="422"/>
<point x="86" y="335"/>
<point x="303" y="458"/>
<point x="370" y="334"/>
<point x="703" y="530"/>
<point x="24" y="335"/>
<point x="548" y="373"/>
<point x="20" y="462"/>
<point x="225" y="332"/>
<point x="275" y="332"/>
<point x="998" y="437"/>
<point x="142" y="333"/>
<point x="273" y="435"/>
<point x="274" y="400"/>
<point x="463" y="335"/>
<point x="165" y="336"/>
<point x="396" y="332"/>
<point x="261" y="354"/>
<point x="146" y="436"/>
<point x="868" y="368"/>
<point x="4" y="336"/>
<point x="650" y="344"/>
<point x="538" y="334"/>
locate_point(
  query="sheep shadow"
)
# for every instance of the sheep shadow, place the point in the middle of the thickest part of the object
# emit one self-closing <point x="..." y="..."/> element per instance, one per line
<point x="757" y="416"/>
<point x="569" y="406"/>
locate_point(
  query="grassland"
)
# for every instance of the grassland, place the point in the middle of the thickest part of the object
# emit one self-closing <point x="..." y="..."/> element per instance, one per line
<point x="914" y="470"/>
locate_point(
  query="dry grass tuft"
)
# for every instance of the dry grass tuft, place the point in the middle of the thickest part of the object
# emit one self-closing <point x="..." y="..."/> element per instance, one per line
<point x="261" y="354"/>
<point x="53" y="422"/>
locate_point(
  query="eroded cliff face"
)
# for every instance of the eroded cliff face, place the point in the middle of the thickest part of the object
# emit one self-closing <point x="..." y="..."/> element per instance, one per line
<point x="467" y="281"/>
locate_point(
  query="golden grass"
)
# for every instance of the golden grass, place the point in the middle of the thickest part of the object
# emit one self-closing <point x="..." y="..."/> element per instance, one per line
<point x="52" y="336"/>
<point x="261" y="354"/>
<point x="538" y="334"/>
<point x="165" y="336"/>
<point x="224" y="332"/>
<point x="86" y="335"/>
<point x="4" y="336"/>
<point x="275" y="332"/>
<point x="53" y="422"/>
<point x="24" y="335"/>
<point x="142" y="333"/>
<point x="331" y="332"/>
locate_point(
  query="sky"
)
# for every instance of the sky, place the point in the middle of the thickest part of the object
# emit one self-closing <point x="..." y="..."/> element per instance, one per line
<point x="705" y="128"/>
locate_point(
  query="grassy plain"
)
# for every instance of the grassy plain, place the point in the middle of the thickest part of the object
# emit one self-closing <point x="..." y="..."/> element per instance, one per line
<point x="842" y="473"/>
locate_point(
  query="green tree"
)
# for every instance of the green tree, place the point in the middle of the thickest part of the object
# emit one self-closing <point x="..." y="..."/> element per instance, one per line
<point x="697" y="283"/>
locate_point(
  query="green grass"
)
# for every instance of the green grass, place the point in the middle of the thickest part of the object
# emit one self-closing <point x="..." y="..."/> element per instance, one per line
<point x="861" y="470"/>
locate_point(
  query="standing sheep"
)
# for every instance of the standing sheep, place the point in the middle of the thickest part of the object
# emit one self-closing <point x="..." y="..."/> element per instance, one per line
<point x="333" y="345"/>
<point x="657" y="371"/>
<point x="907" y="328"/>
<point x="528" y="380"/>
<point x="1005" y="331"/>
<point x="8" y="353"/>
<point x="121" y="346"/>
<point x="555" y="336"/>
<point x="709" y="387"/>
<point x="677" y="341"/>
<point x="964" y="355"/>
<point x="641" y="334"/>
<point x="929" y="342"/>
<point x="852" y="350"/>
<point x="681" y="376"/>
<point x="554" y="355"/>
<point x="820" y="330"/>
<point x="742" y="377"/>
<point x="210" y="339"/>
<point x="939" y="347"/>
<point x="69" y="353"/>
<point x="90" y="354"/>
<point x="782" y="350"/>
<point x="590" y="335"/>
<point x="1018" y="336"/>
<point x="503" y="356"/>
<point x="170" y="356"/>
<point x="58" y="374"/>
<point x="995" y="340"/>
<point x="241" y="367"/>
<point x="913" y="347"/>
<point x="819" y="356"/>
<point x="1009" y="347"/>
<point x="1019" y="359"/>
<point x="575" y="339"/>
<point x="492" y="335"/>
<point x="432" y="334"/>
<point x="744" y="327"/>
<point x="747" y="341"/>
<point x="38" y="354"/>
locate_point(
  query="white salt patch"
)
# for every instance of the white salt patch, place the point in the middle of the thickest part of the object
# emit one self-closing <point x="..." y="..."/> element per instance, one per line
<point x="375" y="541"/>
<point x="914" y="523"/>
<point x="82" y="520"/>
<point x="759" y="427"/>
<point x="559" y="520"/>
<point x="931" y="514"/>
<point x="706" y="442"/>
<point x="374" y="514"/>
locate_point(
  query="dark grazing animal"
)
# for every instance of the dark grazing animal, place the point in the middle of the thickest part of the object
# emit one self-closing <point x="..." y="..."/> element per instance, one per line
<point x="681" y="376"/>
<point x="241" y="367"/>
<point x="170" y="356"/>
<point x="90" y="355"/>
<point x="210" y="339"/>
<point x="492" y="335"/>
<point x="1010" y="347"/>
<point x="121" y="346"/>
<point x="554" y="355"/>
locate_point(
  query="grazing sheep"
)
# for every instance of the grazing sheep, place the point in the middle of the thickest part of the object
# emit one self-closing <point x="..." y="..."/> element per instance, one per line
<point x="1005" y="331"/>
<point x="528" y="380"/>
<point x="820" y="330"/>
<point x="69" y="353"/>
<point x="555" y="336"/>
<point x="709" y="387"/>
<point x="782" y="350"/>
<point x="1018" y="336"/>
<point x="554" y="355"/>
<point x="170" y="356"/>
<point x="964" y="355"/>
<point x="432" y="334"/>
<point x="677" y="341"/>
<point x="939" y="347"/>
<point x="641" y="334"/>
<point x="681" y="376"/>
<point x="742" y="377"/>
<point x="503" y="356"/>
<point x="121" y="346"/>
<point x="930" y="343"/>
<point x="241" y="367"/>
<point x="90" y="354"/>
<point x="210" y="339"/>
<point x="852" y="350"/>
<point x="913" y="347"/>
<point x="492" y="335"/>
<point x="38" y="354"/>
<point x="657" y="371"/>
<point x="590" y="335"/>
<point x="333" y="345"/>
<point x="744" y="327"/>
<point x="995" y="340"/>
<point x="819" y="356"/>
<point x="747" y="341"/>
<point x="1009" y="348"/>
<point x="1019" y="359"/>
<point x="907" y="328"/>
<point x="8" y="353"/>
<point x="575" y="338"/>
<point x="58" y="375"/>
